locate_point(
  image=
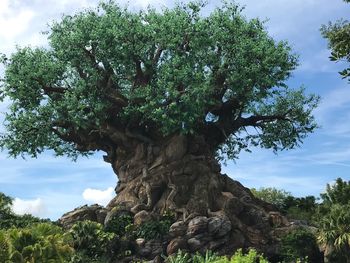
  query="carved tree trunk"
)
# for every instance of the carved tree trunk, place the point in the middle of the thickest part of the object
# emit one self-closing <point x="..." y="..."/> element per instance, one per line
<point x="181" y="175"/>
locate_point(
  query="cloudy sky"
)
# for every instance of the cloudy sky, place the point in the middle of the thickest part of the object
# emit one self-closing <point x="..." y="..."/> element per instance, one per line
<point x="49" y="186"/>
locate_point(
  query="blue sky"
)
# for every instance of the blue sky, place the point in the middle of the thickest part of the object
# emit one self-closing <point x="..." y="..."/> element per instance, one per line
<point x="50" y="186"/>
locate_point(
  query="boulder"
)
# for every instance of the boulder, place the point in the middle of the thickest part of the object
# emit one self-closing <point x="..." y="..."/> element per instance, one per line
<point x="179" y="228"/>
<point x="219" y="226"/>
<point x="197" y="225"/>
<point x="142" y="217"/>
<point x="176" y="244"/>
<point x="94" y="213"/>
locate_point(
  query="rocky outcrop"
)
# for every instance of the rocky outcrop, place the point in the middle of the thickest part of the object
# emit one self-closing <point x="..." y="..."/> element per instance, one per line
<point x="95" y="213"/>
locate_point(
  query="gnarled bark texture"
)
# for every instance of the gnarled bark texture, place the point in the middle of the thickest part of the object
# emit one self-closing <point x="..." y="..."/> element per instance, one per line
<point x="181" y="175"/>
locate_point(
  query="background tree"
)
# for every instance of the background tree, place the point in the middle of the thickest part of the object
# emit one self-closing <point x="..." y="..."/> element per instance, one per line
<point x="9" y="219"/>
<point x="272" y="195"/>
<point x="163" y="94"/>
<point x="338" y="35"/>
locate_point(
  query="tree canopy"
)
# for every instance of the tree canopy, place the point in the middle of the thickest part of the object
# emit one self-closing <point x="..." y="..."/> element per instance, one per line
<point x="110" y="75"/>
<point x="338" y="35"/>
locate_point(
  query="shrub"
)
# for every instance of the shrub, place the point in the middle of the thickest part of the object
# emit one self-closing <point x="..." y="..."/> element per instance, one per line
<point x="119" y="224"/>
<point x="334" y="231"/>
<point x="300" y="244"/>
<point x="40" y="243"/>
<point x="155" y="228"/>
<point x="251" y="257"/>
<point x="271" y="195"/>
<point x="90" y="239"/>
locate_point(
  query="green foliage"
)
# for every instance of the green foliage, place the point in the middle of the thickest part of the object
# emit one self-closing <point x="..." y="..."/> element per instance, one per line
<point x="156" y="228"/>
<point x="338" y="36"/>
<point x="334" y="220"/>
<point x="5" y="205"/>
<point x="300" y="244"/>
<point x="179" y="257"/>
<point x="153" y="229"/>
<point x="10" y="220"/>
<point x="40" y="243"/>
<point x="119" y="224"/>
<point x="337" y="193"/>
<point x="208" y="257"/>
<point x="239" y="257"/>
<point x="334" y="230"/>
<point x="109" y="70"/>
<point x="90" y="238"/>
<point x="300" y="208"/>
<point x="272" y="195"/>
<point x="20" y="221"/>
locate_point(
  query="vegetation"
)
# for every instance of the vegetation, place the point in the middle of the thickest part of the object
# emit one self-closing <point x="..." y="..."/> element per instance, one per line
<point x="272" y="195"/>
<point x="300" y="244"/>
<point x="42" y="243"/>
<point x="155" y="228"/>
<point x="300" y="208"/>
<point x="113" y="80"/>
<point x="239" y="257"/>
<point x="338" y="36"/>
<point x="90" y="239"/>
<point x="10" y="220"/>
<point x="29" y="239"/>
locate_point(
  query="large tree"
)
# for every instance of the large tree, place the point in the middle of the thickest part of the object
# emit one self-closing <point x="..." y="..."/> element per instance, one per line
<point x="164" y="95"/>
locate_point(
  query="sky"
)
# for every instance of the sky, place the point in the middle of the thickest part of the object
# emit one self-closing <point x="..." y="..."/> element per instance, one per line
<point x="48" y="187"/>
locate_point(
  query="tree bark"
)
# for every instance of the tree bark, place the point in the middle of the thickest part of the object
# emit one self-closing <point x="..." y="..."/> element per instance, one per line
<point x="181" y="175"/>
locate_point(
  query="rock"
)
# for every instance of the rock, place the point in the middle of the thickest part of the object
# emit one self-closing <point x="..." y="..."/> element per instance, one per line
<point x="215" y="244"/>
<point x="144" y="251"/>
<point x="194" y="244"/>
<point x="175" y="245"/>
<point x="255" y="236"/>
<point x="276" y="219"/>
<point x="94" y="213"/>
<point x="237" y="239"/>
<point x="179" y="228"/>
<point x="197" y="225"/>
<point x="233" y="205"/>
<point x="142" y="217"/>
<point x="219" y="226"/>
<point x="155" y="247"/>
<point x="140" y="242"/>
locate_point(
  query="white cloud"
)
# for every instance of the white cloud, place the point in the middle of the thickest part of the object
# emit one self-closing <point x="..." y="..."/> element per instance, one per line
<point x="14" y="21"/>
<point x="101" y="197"/>
<point x="35" y="207"/>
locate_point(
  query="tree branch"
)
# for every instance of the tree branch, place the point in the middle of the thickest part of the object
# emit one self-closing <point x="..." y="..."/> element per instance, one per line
<point x="50" y="89"/>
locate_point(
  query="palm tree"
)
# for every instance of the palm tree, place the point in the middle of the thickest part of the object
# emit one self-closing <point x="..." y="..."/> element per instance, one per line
<point x="334" y="232"/>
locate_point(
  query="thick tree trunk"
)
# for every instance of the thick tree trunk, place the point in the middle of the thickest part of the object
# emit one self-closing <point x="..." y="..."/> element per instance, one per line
<point x="181" y="175"/>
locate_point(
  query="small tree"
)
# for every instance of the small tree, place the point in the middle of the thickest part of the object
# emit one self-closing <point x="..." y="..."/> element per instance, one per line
<point x="337" y="193"/>
<point x="272" y="195"/>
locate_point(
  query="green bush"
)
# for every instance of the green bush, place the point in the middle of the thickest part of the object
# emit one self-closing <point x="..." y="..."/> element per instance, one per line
<point x="156" y="228"/>
<point x="90" y="239"/>
<point x="119" y="224"/>
<point x="239" y="257"/>
<point x="334" y="231"/>
<point x="10" y="220"/>
<point x="208" y="257"/>
<point x="40" y="243"/>
<point x="300" y="208"/>
<point x="271" y="195"/>
<point x="300" y="244"/>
